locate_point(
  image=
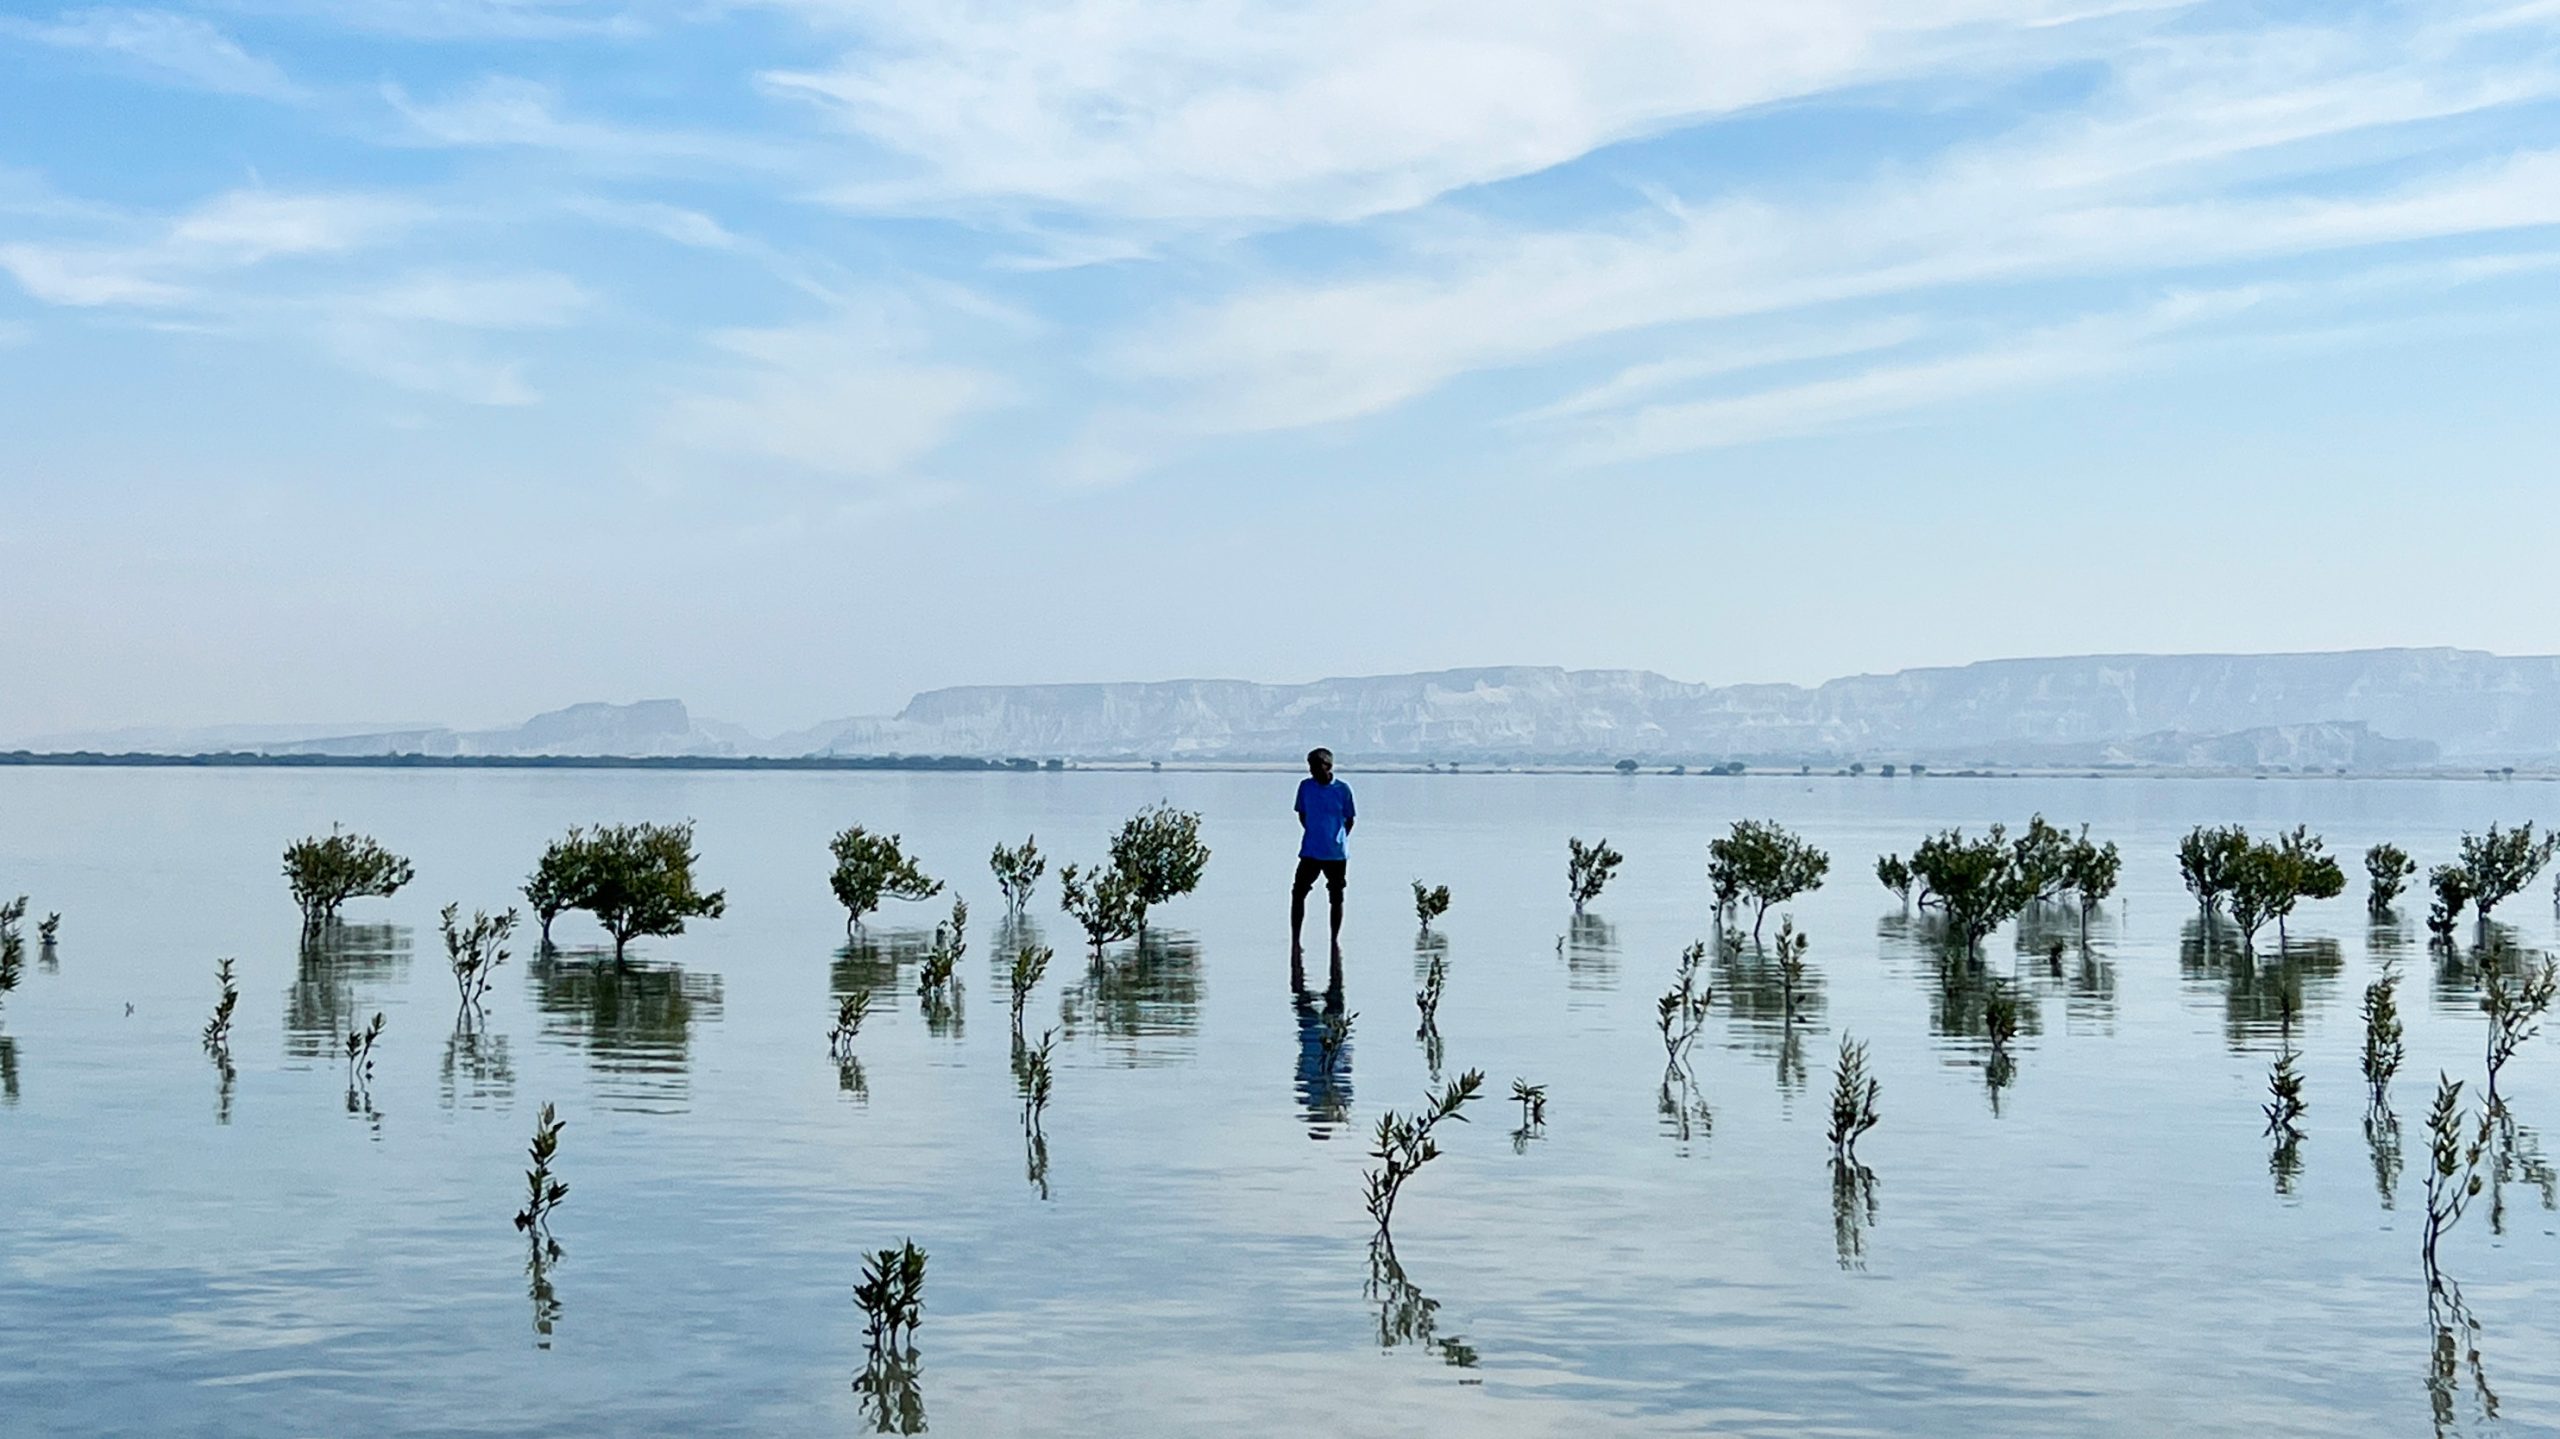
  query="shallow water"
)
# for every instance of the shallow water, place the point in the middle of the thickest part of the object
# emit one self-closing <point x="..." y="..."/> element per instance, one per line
<point x="2102" y="1246"/>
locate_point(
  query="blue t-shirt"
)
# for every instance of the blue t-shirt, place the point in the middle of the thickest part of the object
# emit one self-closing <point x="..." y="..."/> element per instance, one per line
<point x="1328" y="812"/>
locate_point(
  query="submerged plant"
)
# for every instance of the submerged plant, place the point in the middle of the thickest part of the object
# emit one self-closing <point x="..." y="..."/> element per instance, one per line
<point x="851" y="1010"/>
<point x="543" y="1191"/>
<point x="1404" y="1144"/>
<point x="2383" y="1050"/>
<point x="475" y="950"/>
<point x="1853" y="1101"/>
<point x="1791" y="947"/>
<point x="1018" y="869"/>
<point x="2452" y="1179"/>
<point x="2387" y="869"/>
<point x="1587" y="868"/>
<point x="891" y="1295"/>
<point x="1683" y="1008"/>
<point x="1431" y="903"/>
<point x="1030" y="963"/>
<point x="1853" y="1211"/>
<point x="872" y="867"/>
<point x="2515" y="1009"/>
<point x="217" y="1030"/>
<point x="325" y="873"/>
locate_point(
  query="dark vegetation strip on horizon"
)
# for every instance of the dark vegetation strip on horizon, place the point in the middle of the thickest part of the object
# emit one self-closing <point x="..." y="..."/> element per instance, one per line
<point x="494" y="761"/>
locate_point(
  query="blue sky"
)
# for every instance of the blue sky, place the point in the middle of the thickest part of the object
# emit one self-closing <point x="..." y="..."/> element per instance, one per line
<point x="451" y="359"/>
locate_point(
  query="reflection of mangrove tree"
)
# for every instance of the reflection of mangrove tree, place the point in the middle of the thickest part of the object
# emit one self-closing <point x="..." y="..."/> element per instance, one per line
<point x="2264" y="993"/>
<point x="1406" y="1315"/>
<point x="2515" y="1157"/>
<point x="1145" y="1001"/>
<point x="1853" y="1210"/>
<point x="2455" y="1357"/>
<point x="1590" y="951"/>
<point x="9" y="1074"/>
<point x="338" y="976"/>
<point x="881" y="964"/>
<point x="634" y="1020"/>
<point x="477" y="1073"/>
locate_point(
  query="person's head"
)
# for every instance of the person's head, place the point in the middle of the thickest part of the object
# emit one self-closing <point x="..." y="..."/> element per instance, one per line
<point x="1320" y="764"/>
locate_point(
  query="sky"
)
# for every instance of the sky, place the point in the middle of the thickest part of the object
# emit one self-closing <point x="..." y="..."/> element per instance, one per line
<point x="406" y="360"/>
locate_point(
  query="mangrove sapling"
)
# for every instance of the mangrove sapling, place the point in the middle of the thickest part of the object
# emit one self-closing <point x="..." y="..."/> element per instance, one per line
<point x="543" y="1190"/>
<point x="13" y="949"/>
<point x="1791" y="948"/>
<point x="1429" y="903"/>
<point x="639" y="881"/>
<point x="1974" y="884"/>
<point x="1017" y="869"/>
<point x="1030" y="963"/>
<point x="1159" y="849"/>
<point x="1435" y="977"/>
<point x="1532" y="1099"/>
<point x="851" y="1010"/>
<point x="475" y="951"/>
<point x="217" y="1030"/>
<point x="2387" y="869"/>
<point x="938" y="973"/>
<point x="2207" y="860"/>
<point x="558" y="882"/>
<point x="1766" y="863"/>
<point x="2285" y="1104"/>
<point x="2452" y="1179"/>
<point x="1853" y="1101"/>
<point x="1104" y="901"/>
<point x="325" y="873"/>
<point x="2499" y="864"/>
<point x="891" y="1295"/>
<point x="2383" y="1050"/>
<point x="872" y="867"/>
<point x="1403" y="1144"/>
<point x="2090" y="873"/>
<point x="1037" y="1078"/>
<point x="1587" y="868"/>
<point x="2268" y="880"/>
<point x="1683" y="1008"/>
<point x="2451" y="885"/>
<point x="1895" y="876"/>
<point x="2515" y="1008"/>
<point x="48" y="930"/>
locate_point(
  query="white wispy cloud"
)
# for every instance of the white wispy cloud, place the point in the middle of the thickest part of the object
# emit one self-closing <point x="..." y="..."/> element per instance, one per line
<point x="179" y="48"/>
<point x="164" y="261"/>
<point x="508" y="112"/>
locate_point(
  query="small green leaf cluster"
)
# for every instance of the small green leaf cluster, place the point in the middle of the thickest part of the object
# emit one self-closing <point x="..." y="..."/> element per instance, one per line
<point x="1682" y="1009"/>
<point x="1853" y="1101"/>
<point x="891" y="1294"/>
<point x="543" y="1192"/>
<point x="217" y="1030"/>
<point x="1403" y="1143"/>
<point x="324" y="873"/>
<point x="1030" y="963"/>
<point x="1429" y="903"/>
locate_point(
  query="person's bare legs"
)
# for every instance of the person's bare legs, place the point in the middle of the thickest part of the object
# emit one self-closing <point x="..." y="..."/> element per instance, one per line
<point x="1333" y="893"/>
<point x="1298" y="921"/>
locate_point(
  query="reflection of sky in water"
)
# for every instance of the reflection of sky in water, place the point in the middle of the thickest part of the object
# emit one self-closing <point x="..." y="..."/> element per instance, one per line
<point x="1196" y="1263"/>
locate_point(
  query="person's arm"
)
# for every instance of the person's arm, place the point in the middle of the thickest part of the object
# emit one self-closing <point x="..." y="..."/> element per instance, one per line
<point x="1300" y="804"/>
<point x="1350" y="810"/>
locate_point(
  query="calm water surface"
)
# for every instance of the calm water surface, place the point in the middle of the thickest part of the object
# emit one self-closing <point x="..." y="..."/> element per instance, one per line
<point x="2104" y="1246"/>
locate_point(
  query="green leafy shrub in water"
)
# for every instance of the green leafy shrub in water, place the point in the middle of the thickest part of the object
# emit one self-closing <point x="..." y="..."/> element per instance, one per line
<point x="2499" y="864"/>
<point x="2515" y="1008"/>
<point x="1763" y="863"/>
<point x="2451" y="886"/>
<point x="1682" y="1009"/>
<point x="2452" y="1177"/>
<point x="891" y="1294"/>
<point x="2207" y="861"/>
<point x="1895" y="875"/>
<point x="639" y="881"/>
<point x="2285" y="1103"/>
<point x="1587" y="868"/>
<point x="1404" y="1144"/>
<point x="2271" y="878"/>
<point x="871" y="867"/>
<point x="1853" y="1101"/>
<point x="2387" y="869"/>
<point x="851" y="1010"/>
<point x="1017" y="870"/>
<point x="543" y="1190"/>
<point x="1429" y="903"/>
<point x="324" y="873"/>
<point x="1974" y="884"/>
<point x="558" y="883"/>
<point x="217" y="1030"/>
<point x="1160" y="852"/>
<point x="1030" y="963"/>
<point x="2383" y="1050"/>
<point x="475" y="951"/>
<point x="1102" y="901"/>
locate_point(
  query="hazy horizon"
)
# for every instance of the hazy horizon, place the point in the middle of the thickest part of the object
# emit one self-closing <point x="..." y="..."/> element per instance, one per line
<point x="792" y="357"/>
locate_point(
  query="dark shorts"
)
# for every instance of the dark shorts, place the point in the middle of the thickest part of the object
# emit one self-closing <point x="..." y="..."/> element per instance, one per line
<point x="1333" y="870"/>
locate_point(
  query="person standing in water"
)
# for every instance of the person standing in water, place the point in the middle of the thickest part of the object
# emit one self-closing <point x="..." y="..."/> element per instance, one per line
<point x="1324" y="816"/>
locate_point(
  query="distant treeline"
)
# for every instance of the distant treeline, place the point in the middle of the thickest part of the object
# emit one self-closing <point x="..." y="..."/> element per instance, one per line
<point x="494" y="761"/>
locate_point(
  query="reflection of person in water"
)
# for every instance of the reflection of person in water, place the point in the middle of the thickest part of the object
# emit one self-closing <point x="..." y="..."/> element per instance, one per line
<point x="1324" y="815"/>
<point x="1324" y="1078"/>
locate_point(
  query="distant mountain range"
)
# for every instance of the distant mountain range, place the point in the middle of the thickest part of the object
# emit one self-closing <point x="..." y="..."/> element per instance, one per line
<point x="2359" y="709"/>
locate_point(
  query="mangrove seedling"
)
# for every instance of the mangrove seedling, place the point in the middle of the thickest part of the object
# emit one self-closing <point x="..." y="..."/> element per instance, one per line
<point x="1435" y="977"/>
<point x="1532" y="1099"/>
<point x="1160" y="852"/>
<point x="48" y="929"/>
<point x="1853" y="1101"/>
<point x="1103" y="900"/>
<point x="2515" y="1008"/>
<point x="1895" y="876"/>
<point x="1037" y="1077"/>
<point x="2208" y="861"/>
<point x="2451" y="885"/>
<point x="1683" y="1008"/>
<point x="1017" y="869"/>
<point x="475" y="951"/>
<point x="1765" y="863"/>
<point x="936" y="975"/>
<point x="2387" y="869"/>
<point x="13" y="948"/>
<point x="558" y="883"/>
<point x="325" y="873"/>
<point x="1791" y="947"/>
<point x="1587" y="868"/>
<point x="1404" y="1143"/>
<point x="891" y="1295"/>
<point x="1429" y="903"/>
<point x="360" y="1044"/>
<point x="872" y="867"/>
<point x="2452" y="1179"/>
<point x="851" y="1010"/>
<point x="1030" y="963"/>
<point x="543" y="1192"/>
<point x="2499" y="864"/>
<point x="639" y="881"/>
<point x="2383" y="1050"/>
<point x="2285" y="1104"/>
<point x="217" y="1030"/>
